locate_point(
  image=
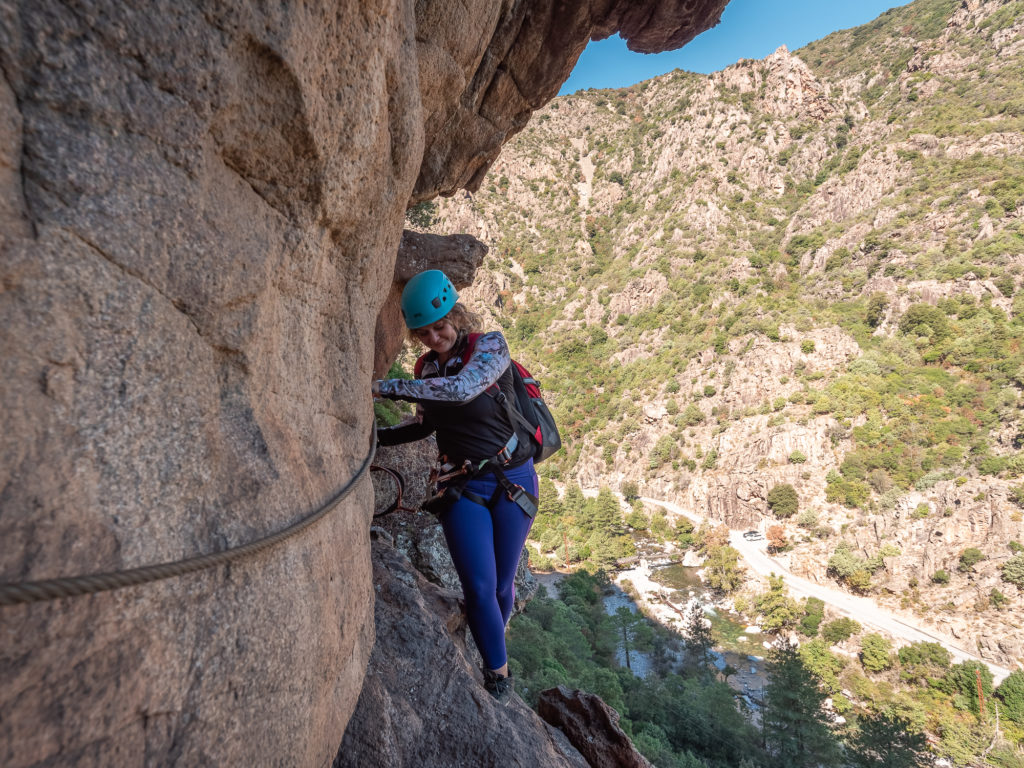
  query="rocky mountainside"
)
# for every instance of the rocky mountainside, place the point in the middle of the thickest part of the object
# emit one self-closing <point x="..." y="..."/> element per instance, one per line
<point x="802" y="270"/>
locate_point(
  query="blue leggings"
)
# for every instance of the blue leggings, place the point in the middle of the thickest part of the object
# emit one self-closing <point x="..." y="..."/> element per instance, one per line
<point x="485" y="546"/>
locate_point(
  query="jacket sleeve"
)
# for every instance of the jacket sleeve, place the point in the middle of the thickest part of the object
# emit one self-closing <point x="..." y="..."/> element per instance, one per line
<point x="489" y="360"/>
<point x="403" y="433"/>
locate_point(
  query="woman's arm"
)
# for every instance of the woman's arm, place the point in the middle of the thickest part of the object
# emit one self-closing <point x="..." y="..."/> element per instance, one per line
<point x="489" y="360"/>
<point x="403" y="433"/>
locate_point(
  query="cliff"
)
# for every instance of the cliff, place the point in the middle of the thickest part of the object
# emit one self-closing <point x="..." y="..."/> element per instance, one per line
<point x="713" y="276"/>
<point x="200" y="207"/>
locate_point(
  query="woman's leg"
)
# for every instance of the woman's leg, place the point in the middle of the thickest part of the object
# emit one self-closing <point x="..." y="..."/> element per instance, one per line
<point x="470" y="536"/>
<point x="511" y="527"/>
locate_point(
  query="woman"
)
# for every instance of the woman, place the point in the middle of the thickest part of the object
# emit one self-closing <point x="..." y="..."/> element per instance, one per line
<point x="459" y="396"/>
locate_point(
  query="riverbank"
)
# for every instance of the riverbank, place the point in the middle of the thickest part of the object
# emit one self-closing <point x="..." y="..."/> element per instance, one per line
<point x="662" y="594"/>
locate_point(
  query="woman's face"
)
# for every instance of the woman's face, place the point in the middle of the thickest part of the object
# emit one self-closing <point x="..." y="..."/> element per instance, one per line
<point x="438" y="337"/>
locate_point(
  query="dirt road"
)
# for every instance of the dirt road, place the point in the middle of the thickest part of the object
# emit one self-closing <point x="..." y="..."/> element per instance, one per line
<point x="863" y="609"/>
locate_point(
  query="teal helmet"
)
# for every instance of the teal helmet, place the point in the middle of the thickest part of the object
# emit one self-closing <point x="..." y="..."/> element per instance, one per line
<point x="427" y="298"/>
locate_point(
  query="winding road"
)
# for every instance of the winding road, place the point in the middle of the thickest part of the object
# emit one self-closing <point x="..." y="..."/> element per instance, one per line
<point x="862" y="609"/>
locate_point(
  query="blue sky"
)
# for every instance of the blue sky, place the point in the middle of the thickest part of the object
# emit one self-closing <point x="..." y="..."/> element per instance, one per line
<point x="750" y="29"/>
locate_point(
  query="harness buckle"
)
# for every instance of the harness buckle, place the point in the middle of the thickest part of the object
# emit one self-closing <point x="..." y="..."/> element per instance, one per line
<point x="504" y="456"/>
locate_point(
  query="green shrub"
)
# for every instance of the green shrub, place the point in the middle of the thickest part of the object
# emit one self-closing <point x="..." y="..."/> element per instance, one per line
<point x="814" y="612"/>
<point x="710" y="460"/>
<point x="807" y="346"/>
<point x="924" y="320"/>
<point x="807" y="519"/>
<point x="797" y="457"/>
<point x="969" y="558"/>
<point x="920" y="660"/>
<point x="875" y="653"/>
<point x="1011" y="693"/>
<point x="1012" y="571"/>
<point x="783" y="500"/>
<point x="839" y="630"/>
<point x="940" y="577"/>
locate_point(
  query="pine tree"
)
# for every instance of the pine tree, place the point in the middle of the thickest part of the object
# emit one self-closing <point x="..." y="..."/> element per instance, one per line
<point x="777" y="609"/>
<point x="606" y="514"/>
<point x="633" y="631"/>
<point x="797" y="732"/>
<point x="885" y="740"/>
<point x="549" y="504"/>
<point x="572" y="501"/>
<point x="698" y="632"/>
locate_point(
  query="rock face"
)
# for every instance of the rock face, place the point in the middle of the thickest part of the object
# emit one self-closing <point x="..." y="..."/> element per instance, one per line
<point x="458" y="256"/>
<point x="423" y="703"/>
<point x="592" y="726"/>
<point x="200" y="207"/>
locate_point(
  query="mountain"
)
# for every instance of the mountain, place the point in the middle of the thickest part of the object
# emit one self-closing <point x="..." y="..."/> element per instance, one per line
<point x="804" y="270"/>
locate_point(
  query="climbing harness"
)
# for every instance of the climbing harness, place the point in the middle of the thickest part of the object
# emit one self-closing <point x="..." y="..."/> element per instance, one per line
<point x="14" y="593"/>
<point x="451" y="486"/>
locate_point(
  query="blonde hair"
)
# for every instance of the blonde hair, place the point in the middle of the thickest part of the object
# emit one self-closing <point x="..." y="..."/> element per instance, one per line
<point x="461" y="319"/>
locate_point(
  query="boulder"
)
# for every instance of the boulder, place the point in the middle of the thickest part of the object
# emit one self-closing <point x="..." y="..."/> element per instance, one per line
<point x="592" y="727"/>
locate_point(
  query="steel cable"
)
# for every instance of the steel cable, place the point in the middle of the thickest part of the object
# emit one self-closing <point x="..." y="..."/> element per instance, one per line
<point x="14" y="593"/>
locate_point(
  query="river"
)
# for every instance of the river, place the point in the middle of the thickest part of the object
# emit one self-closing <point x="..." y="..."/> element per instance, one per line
<point x="664" y="593"/>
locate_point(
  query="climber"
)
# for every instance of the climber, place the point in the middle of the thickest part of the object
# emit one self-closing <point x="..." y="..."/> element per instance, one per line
<point x="486" y="504"/>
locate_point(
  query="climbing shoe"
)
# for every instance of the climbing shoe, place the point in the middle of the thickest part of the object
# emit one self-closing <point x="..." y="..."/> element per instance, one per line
<point x="499" y="686"/>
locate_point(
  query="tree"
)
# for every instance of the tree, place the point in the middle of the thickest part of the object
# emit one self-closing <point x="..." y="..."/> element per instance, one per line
<point x="712" y="538"/>
<point x="549" y="505"/>
<point x="783" y="501"/>
<point x="860" y="581"/>
<point x="875" y="653"/>
<point x="1012" y="571"/>
<point x="572" y="501"/>
<point x="422" y="215"/>
<point x="961" y="682"/>
<point x="797" y="733"/>
<point x="886" y="740"/>
<point x="630" y="490"/>
<point x="920" y="660"/>
<point x="660" y="525"/>
<point x="722" y="569"/>
<point x="924" y="320"/>
<point x="969" y="558"/>
<point x="637" y="520"/>
<point x="777" y="609"/>
<point x="697" y="631"/>
<point x="849" y="568"/>
<point x="604" y="549"/>
<point x="606" y="513"/>
<point x="876" y="309"/>
<point x="822" y="663"/>
<point x="839" y="630"/>
<point x="634" y="632"/>
<point x="814" y="612"/>
<point x="1011" y="693"/>
<point x="776" y="537"/>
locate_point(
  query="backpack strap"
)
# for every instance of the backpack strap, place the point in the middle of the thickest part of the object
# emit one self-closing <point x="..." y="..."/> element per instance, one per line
<point x="421" y="361"/>
<point x="514" y="416"/>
